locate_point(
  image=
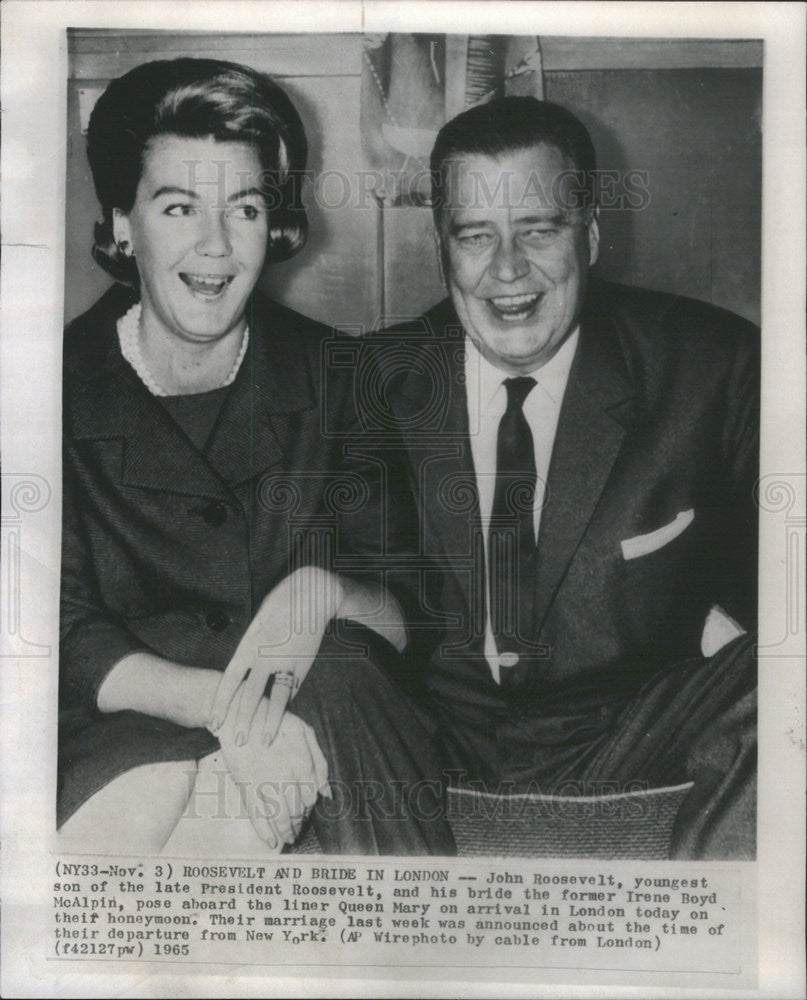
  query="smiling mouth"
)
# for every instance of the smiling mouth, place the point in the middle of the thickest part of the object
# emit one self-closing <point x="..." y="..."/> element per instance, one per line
<point x="210" y="286"/>
<point x="513" y="308"/>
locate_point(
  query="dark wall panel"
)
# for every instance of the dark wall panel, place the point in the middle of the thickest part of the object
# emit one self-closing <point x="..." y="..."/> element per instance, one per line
<point x="696" y="133"/>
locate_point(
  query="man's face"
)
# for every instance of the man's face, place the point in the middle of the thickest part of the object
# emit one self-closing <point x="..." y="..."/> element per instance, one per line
<point x="516" y="254"/>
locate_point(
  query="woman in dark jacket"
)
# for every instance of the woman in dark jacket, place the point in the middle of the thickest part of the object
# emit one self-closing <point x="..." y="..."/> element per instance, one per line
<point x="207" y="497"/>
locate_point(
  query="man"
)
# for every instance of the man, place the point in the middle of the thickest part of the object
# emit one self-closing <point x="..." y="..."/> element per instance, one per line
<point x="583" y="459"/>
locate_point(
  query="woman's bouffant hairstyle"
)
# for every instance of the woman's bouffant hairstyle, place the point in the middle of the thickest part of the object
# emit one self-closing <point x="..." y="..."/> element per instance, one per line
<point x="195" y="98"/>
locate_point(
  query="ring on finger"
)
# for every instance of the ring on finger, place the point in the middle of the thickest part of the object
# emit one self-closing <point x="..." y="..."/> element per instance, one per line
<point x="287" y="679"/>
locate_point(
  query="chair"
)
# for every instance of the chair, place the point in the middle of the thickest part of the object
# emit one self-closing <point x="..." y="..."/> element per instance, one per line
<point x="634" y="825"/>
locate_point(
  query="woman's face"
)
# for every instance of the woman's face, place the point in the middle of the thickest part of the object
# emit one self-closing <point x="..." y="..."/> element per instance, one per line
<point x="198" y="230"/>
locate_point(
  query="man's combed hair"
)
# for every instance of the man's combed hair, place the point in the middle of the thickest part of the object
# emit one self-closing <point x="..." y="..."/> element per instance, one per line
<point x="196" y="98"/>
<point x="508" y="124"/>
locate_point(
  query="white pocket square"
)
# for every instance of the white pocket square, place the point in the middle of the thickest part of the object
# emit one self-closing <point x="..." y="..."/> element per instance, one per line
<point x="643" y="545"/>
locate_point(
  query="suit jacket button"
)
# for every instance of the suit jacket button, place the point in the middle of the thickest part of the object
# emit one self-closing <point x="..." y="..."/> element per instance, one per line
<point x="217" y="620"/>
<point x="215" y="514"/>
<point x="508" y="659"/>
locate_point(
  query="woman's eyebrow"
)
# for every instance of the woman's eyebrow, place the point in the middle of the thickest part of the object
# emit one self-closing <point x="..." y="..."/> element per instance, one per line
<point x="245" y="193"/>
<point x="170" y="189"/>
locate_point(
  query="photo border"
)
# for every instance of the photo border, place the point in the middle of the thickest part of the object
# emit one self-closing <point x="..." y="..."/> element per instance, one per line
<point x="34" y="79"/>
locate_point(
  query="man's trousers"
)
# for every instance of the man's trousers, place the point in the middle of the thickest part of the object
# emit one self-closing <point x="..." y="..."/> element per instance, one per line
<point x="392" y="750"/>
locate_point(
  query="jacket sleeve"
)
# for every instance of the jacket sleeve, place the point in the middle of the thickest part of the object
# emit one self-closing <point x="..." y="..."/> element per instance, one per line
<point x="92" y="641"/>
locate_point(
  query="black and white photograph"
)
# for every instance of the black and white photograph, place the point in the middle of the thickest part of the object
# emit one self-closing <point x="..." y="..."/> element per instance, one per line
<point x="238" y="481"/>
<point x="422" y="517"/>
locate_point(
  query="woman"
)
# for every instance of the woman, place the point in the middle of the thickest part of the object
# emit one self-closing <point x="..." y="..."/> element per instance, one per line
<point x="201" y="497"/>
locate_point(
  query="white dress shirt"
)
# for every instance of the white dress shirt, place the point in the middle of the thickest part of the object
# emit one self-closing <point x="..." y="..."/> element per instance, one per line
<point x="487" y="401"/>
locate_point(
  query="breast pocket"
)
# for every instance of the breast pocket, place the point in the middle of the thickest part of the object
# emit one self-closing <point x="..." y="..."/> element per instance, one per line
<point x="653" y="541"/>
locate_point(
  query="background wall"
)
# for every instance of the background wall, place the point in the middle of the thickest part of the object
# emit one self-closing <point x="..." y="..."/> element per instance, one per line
<point x="685" y="112"/>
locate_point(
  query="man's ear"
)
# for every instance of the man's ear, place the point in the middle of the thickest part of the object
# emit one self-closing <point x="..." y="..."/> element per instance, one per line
<point x="121" y="228"/>
<point x="594" y="236"/>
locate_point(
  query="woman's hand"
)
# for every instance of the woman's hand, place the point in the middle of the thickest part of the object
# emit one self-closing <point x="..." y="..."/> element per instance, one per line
<point x="283" y="637"/>
<point x="279" y="784"/>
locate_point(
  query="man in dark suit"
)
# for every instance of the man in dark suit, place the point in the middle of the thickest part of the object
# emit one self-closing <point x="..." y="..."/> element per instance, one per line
<point x="583" y="458"/>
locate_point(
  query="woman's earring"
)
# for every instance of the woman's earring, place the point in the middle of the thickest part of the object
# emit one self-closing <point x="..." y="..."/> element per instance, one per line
<point x="124" y="249"/>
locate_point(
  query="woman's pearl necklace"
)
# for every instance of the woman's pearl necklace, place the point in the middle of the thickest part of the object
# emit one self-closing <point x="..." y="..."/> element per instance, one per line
<point x="129" y="338"/>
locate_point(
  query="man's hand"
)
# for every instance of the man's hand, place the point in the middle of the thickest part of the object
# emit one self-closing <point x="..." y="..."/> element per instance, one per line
<point x="279" y="784"/>
<point x="372" y="605"/>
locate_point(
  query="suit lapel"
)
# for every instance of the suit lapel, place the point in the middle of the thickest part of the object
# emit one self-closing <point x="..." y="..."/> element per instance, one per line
<point x="596" y="411"/>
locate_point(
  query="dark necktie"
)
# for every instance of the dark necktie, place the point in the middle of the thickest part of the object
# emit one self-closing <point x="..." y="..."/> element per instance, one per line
<point x="511" y="536"/>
